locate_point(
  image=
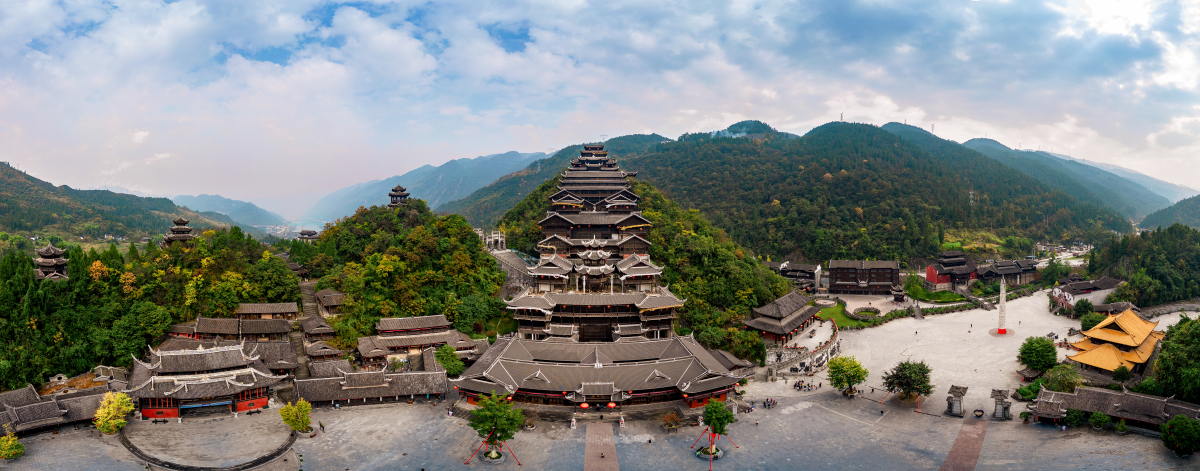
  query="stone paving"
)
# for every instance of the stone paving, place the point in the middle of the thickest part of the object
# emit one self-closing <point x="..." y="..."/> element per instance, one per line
<point x="217" y="441"/>
<point x="600" y="453"/>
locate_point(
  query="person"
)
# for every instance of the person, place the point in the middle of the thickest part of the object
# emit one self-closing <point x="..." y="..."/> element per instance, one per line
<point x="755" y="422"/>
<point x="880" y="412"/>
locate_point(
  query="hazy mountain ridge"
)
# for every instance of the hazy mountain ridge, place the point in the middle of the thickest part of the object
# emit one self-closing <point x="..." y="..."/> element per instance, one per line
<point x="33" y="206"/>
<point x="243" y="212"/>
<point x="1131" y="199"/>
<point x="1168" y="190"/>
<point x="436" y="185"/>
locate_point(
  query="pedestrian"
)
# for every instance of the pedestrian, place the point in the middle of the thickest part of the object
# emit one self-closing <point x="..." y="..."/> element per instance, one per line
<point x="755" y="422"/>
<point x="880" y="412"/>
<point x="914" y="332"/>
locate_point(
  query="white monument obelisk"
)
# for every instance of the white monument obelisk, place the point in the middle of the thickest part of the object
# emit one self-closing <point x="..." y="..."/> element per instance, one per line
<point x="1003" y="300"/>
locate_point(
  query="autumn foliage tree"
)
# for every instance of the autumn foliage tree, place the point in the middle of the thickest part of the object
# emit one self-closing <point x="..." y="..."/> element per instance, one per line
<point x="110" y="416"/>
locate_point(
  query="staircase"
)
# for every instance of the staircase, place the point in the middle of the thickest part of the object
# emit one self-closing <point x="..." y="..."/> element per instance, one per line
<point x="297" y="336"/>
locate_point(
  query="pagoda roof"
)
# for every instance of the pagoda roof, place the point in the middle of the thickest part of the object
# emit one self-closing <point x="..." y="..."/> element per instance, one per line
<point x="50" y="251"/>
<point x="1126" y="328"/>
<point x="181" y="222"/>
<point x="399" y="188"/>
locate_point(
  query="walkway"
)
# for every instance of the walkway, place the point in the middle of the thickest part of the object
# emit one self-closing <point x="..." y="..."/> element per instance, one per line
<point x="601" y="451"/>
<point x="297" y="336"/>
<point x="965" y="452"/>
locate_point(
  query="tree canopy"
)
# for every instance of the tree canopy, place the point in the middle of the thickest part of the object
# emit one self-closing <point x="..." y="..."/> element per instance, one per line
<point x="496" y="420"/>
<point x="297" y="417"/>
<point x="1062" y="378"/>
<point x="1159" y="266"/>
<point x="1177" y="371"/>
<point x="909" y="378"/>
<point x="1038" y="353"/>
<point x="1181" y="434"/>
<point x="845" y="372"/>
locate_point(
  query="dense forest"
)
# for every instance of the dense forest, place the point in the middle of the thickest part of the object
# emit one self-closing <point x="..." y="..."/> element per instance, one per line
<point x="400" y="263"/>
<point x="1159" y="266"/>
<point x="1083" y="182"/>
<point x="1186" y="212"/>
<point x="31" y="206"/>
<point x="115" y="304"/>
<point x="485" y="206"/>
<point x="720" y="280"/>
<point x="855" y="191"/>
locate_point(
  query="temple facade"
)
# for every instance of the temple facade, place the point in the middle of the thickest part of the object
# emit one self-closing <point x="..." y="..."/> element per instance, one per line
<point x="180" y="233"/>
<point x="222" y="376"/>
<point x="1120" y="340"/>
<point x="594" y="280"/>
<point x="398" y="196"/>
<point x="50" y="264"/>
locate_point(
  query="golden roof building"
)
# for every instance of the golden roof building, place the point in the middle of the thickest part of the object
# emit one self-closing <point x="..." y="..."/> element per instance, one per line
<point x="1123" y="339"/>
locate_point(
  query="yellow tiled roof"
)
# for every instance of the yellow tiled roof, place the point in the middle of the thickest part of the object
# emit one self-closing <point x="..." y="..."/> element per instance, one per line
<point x="1105" y="357"/>
<point x="1126" y="328"/>
<point x="1085" y="344"/>
<point x="1142" y="353"/>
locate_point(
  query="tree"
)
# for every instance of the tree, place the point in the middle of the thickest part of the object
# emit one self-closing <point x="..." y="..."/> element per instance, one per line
<point x="448" y="358"/>
<point x="1181" y="435"/>
<point x="1075" y="417"/>
<point x="10" y="448"/>
<point x="845" y="372"/>
<point x="1062" y="378"/>
<point x="909" y="378"/>
<point x="133" y="256"/>
<point x="496" y="421"/>
<point x="1083" y="307"/>
<point x="110" y="416"/>
<point x="1122" y="374"/>
<point x="1090" y="320"/>
<point x="717" y="417"/>
<point x="1099" y="419"/>
<point x="297" y="416"/>
<point x="1038" y="353"/>
<point x="1178" y="368"/>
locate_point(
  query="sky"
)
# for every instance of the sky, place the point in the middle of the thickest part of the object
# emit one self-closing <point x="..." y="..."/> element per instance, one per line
<point x="281" y="101"/>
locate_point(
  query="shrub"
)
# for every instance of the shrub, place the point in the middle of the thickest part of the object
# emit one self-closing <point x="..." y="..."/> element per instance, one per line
<point x="1025" y="415"/>
<point x="10" y="448"/>
<point x="1148" y="386"/>
<point x="1030" y="391"/>
<point x="1062" y="378"/>
<point x="110" y="416"/>
<point x="448" y="358"/>
<point x="1122" y="374"/>
<point x="1121" y="427"/>
<point x="1099" y="419"/>
<point x="1075" y="417"/>
<point x="1181" y="434"/>
<point x="1090" y="320"/>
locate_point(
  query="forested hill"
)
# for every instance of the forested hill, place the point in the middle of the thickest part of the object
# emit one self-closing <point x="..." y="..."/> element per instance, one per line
<point x="853" y="191"/>
<point x="720" y="279"/>
<point x="243" y="212"/>
<point x="31" y="206"/>
<point x="486" y="205"/>
<point x="1161" y="265"/>
<point x="1084" y="182"/>
<point x="1186" y="212"/>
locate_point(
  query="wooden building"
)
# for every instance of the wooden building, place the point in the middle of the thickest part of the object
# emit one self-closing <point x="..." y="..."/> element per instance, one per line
<point x="1124" y="339"/>
<point x="267" y="311"/>
<point x="398" y="197"/>
<point x="252" y="330"/>
<point x="221" y="377"/>
<point x="592" y="375"/>
<point x="50" y="264"/>
<point x="25" y="411"/>
<point x="952" y="269"/>
<point x="1014" y="272"/>
<point x="321" y="351"/>
<point x="401" y="337"/>
<point x="1138" y="410"/>
<point x="309" y="236"/>
<point x="330" y="301"/>
<point x="806" y="276"/>
<point x="180" y="233"/>
<point x="315" y="328"/>
<point x="863" y="276"/>
<point x="1096" y="291"/>
<point x="780" y="320"/>
<point x="337" y="382"/>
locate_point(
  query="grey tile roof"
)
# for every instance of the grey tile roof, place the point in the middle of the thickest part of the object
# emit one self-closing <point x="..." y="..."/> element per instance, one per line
<point x="267" y="308"/>
<point x="394" y="384"/>
<point x="214" y="358"/>
<point x="20" y="397"/>
<point x="409" y="323"/>
<point x="144" y="384"/>
<point x="1116" y="404"/>
<point x="784" y="306"/>
<point x="379" y="345"/>
<point x="864" y="264"/>
<point x="314" y="325"/>
<point x="189" y="328"/>
<point x="276" y="355"/>
<point x="265" y="326"/>
<point x="320" y="348"/>
<point x="329" y="369"/>
<point x="328" y="297"/>
<point x="213" y="326"/>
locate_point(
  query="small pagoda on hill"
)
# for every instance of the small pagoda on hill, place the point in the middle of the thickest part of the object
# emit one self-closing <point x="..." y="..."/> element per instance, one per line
<point x="50" y="264"/>
<point x="180" y="233"/>
<point x="309" y="236"/>
<point x="399" y="197"/>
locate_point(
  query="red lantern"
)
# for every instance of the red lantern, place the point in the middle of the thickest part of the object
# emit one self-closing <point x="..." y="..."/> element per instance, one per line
<point x="583" y="406"/>
<point x="685" y="395"/>
<point x="612" y="405"/>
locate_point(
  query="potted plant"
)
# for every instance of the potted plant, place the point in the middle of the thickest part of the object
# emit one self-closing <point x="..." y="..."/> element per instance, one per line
<point x="1099" y="420"/>
<point x="1121" y="428"/>
<point x="10" y="448"/>
<point x="1181" y="435"/>
<point x="1025" y="416"/>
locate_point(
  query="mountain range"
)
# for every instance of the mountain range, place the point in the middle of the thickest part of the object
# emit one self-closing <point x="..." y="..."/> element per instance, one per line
<point x="32" y="206"/>
<point x="436" y="185"/>
<point x="1168" y="190"/>
<point x="1186" y="212"/>
<point x="242" y="212"/>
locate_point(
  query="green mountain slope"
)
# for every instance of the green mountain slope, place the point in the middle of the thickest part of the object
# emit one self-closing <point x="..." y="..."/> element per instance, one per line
<point x="720" y="279"/>
<point x="853" y="191"/>
<point x="1186" y="212"/>
<point x="1130" y="199"/>
<point x="243" y="212"/>
<point x="32" y="206"/>
<point x="485" y="206"/>
<point x="436" y="185"/>
<point x="1047" y="173"/>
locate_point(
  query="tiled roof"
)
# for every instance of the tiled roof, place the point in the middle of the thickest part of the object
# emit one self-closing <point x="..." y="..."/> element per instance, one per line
<point x="410" y="323"/>
<point x="267" y="308"/>
<point x="864" y="264"/>
<point x="784" y="306"/>
<point x="266" y="326"/>
<point x="1126" y="328"/>
<point x="320" y="348"/>
<point x="1116" y="404"/>
<point x="208" y="325"/>
<point x="277" y="355"/>
<point x="314" y="325"/>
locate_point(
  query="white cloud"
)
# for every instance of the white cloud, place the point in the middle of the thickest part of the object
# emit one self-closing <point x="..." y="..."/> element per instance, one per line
<point x="139" y="136"/>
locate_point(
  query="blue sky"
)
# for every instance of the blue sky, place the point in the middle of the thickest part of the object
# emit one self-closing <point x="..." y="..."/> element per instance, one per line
<point x="283" y="100"/>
